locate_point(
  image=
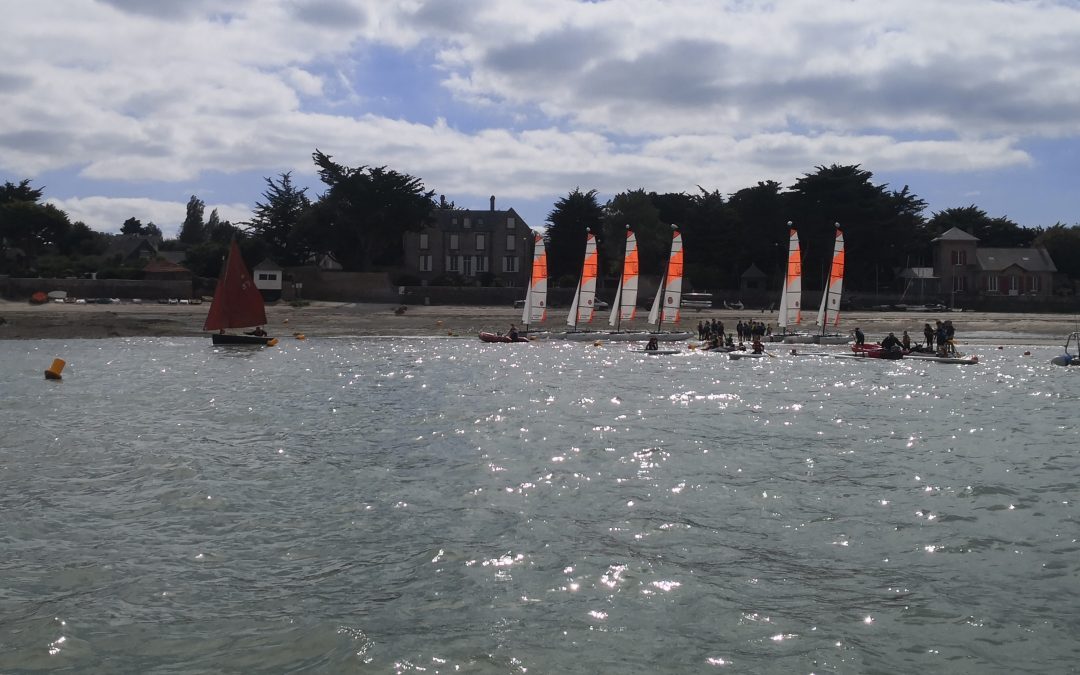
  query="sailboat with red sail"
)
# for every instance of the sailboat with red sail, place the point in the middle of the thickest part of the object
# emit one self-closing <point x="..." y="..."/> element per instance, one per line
<point x="237" y="304"/>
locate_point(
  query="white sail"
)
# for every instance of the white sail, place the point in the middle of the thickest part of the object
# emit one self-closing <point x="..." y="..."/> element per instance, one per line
<point x="829" y="312"/>
<point x="536" y="297"/>
<point x="668" y="298"/>
<point x="581" y="309"/>
<point x="791" y="296"/>
<point x="625" y="306"/>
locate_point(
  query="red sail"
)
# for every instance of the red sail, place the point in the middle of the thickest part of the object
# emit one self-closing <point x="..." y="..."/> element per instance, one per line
<point x="237" y="303"/>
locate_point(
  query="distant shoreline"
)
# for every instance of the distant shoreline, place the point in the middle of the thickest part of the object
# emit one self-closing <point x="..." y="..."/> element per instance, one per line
<point x="22" y="321"/>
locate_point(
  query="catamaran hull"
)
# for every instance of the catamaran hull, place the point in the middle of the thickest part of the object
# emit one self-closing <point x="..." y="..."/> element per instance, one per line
<point x="963" y="360"/>
<point x="226" y="339"/>
<point x="832" y="339"/>
<point x="735" y="356"/>
<point x="495" y="337"/>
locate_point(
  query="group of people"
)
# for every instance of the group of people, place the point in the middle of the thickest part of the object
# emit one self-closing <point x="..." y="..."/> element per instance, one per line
<point x="942" y="335"/>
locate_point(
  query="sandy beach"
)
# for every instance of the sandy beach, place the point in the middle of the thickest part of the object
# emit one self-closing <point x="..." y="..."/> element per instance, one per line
<point x="325" y="319"/>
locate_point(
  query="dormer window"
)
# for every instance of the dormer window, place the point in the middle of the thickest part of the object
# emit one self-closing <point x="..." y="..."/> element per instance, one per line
<point x="466" y="223"/>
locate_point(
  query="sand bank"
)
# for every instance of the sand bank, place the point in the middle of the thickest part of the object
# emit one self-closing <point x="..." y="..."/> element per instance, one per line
<point x="323" y="319"/>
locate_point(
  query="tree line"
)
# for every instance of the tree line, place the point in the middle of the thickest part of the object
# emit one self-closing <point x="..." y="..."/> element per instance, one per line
<point x="362" y="215"/>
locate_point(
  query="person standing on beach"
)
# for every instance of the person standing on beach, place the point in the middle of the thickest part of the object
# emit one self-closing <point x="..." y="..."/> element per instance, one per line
<point x="860" y="339"/>
<point x="928" y="333"/>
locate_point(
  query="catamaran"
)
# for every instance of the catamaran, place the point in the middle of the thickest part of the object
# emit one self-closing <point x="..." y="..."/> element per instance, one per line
<point x="791" y="295"/>
<point x="668" y="300"/>
<point x="535" y="310"/>
<point x="584" y="304"/>
<point x="829" y="312"/>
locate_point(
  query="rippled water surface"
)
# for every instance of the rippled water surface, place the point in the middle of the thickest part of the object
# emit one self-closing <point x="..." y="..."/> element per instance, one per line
<point x="446" y="506"/>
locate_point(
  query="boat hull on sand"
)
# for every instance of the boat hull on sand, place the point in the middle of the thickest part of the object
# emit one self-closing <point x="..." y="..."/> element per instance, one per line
<point x="256" y="340"/>
<point x="495" y="337"/>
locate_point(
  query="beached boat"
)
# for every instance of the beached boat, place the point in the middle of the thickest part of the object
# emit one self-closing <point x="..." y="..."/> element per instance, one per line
<point x="829" y="311"/>
<point x="875" y="351"/>
<point x="952" y="358"/>
<point x="237" y="304"/>
<point x="498" y="337"/>
<point x="1068" y="358"/>
<point x="668" y="300"/>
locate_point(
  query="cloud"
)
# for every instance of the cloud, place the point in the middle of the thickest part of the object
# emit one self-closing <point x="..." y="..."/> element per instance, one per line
<point x="106" y="214"/>
<point x="532" y="99"/>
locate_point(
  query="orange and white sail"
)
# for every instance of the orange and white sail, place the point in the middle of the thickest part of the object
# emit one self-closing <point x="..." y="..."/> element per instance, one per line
<point x="829" y="312"/>
<point x="581" y="309"/>
<point x="625" y="306"/>
<point x="536" y="297"/>
<point x="668" y="298"/>
<point x="791" y="296"/>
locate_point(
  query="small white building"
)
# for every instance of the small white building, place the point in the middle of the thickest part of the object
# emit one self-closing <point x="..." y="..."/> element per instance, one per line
<point x="268" y="276"/>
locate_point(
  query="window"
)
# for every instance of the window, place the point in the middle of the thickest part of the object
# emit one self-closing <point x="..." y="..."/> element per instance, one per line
<point x="958" y="283"/>
<point x="480" y="220"/>
<point x="425" y="263"/>
<point x="453" y="246"/>
<point x="511" y="242"/>
<point x="510" y="263"/>
<point x="467" y="265"/>
<point x="1033" y="284"/>
<point x="267" y="276"/>
<point x="466" y="223"/>
<point x="958" y="257"/>
<point x="1014" y="283"/>
<point x="453" y="220"/>
<point x="423" y="241"/>
<point x="481" y="263"/>
<point x="481" y="242"/>
<point x="510" y="222"/>
<point x="453" y="263"/>
<point x="992" y="283"/>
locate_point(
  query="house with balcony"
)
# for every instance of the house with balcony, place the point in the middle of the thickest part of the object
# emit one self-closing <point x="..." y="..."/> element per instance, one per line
<point x="471" y="247"/>
<point x="966" y="269"/>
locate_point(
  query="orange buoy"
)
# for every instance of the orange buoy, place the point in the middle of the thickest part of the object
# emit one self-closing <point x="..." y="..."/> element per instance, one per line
<point x="53" y="373"/>
<point x="300" y="336"/>
<point x="285" y="321"/>
<point x="271" y="342"/>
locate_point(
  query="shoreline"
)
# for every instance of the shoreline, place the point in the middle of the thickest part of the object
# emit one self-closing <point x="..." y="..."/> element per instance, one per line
<point x="22" y="321"/>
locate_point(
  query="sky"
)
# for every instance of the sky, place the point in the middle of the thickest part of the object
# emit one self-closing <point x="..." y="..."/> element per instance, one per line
<point x="127" y="108"/>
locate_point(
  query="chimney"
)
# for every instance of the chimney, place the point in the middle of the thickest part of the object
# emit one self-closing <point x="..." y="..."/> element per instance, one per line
<point x="492" y="202"/>
<point x="442" y="201"/>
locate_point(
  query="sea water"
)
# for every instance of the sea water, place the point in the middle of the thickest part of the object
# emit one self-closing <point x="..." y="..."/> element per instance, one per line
<point x="441" y="506"/>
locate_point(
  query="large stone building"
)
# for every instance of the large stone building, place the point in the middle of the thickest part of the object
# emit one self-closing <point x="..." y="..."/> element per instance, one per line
<point x="474" y="247"/>
<point x="966" y="269"/>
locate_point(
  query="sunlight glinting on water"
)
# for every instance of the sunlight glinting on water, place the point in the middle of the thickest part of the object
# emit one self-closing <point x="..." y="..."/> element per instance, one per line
<point x="548" y="507"/>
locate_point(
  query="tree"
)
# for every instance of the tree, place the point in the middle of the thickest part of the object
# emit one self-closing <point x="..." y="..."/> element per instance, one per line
<point x="636" y="209"/>
<point x="22" y="192"/>
<point x="193" y="232"/>
<point x="277" y="220"/>
<point x="992" y="232"/>
<point x="1063" y="244"/>
<point x="882" y="228"/>
<point x="759" y="232"/>
<point x="132" y="226"/>
<point x="565" y="238"/>
<point x="708" y="226"/>
<point x="366" y="211"/>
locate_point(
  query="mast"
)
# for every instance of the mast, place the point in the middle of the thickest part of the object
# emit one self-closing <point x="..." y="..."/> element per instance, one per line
<point x="830" y="300"/>
<point x="625" y="305"/>
<point x="536" y="297"/>
<point x="791" y="296"/>
<point x="670" y="290"/>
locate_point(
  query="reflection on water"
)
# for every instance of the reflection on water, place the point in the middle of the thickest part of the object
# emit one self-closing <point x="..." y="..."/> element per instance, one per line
<point x="447" y="505"/>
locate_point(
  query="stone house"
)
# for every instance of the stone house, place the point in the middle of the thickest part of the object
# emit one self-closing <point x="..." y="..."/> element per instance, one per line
<point x="965" y="268"/>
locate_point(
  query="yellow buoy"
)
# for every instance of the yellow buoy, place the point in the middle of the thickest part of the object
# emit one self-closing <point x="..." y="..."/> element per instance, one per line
<point x="53" y="373"/>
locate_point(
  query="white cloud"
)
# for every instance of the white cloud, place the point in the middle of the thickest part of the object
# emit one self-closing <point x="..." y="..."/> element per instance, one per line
<point x="611" y="95"/>
<point x="107" y="214"/>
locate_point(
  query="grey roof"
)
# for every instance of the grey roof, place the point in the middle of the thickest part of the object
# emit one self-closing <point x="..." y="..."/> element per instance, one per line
<point x="479" y="219"/>
<point x="268" y="264"/>
<point x="1027" y="259"/>
<point x="753" y="272"/>
<point x="956" y="234"/>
